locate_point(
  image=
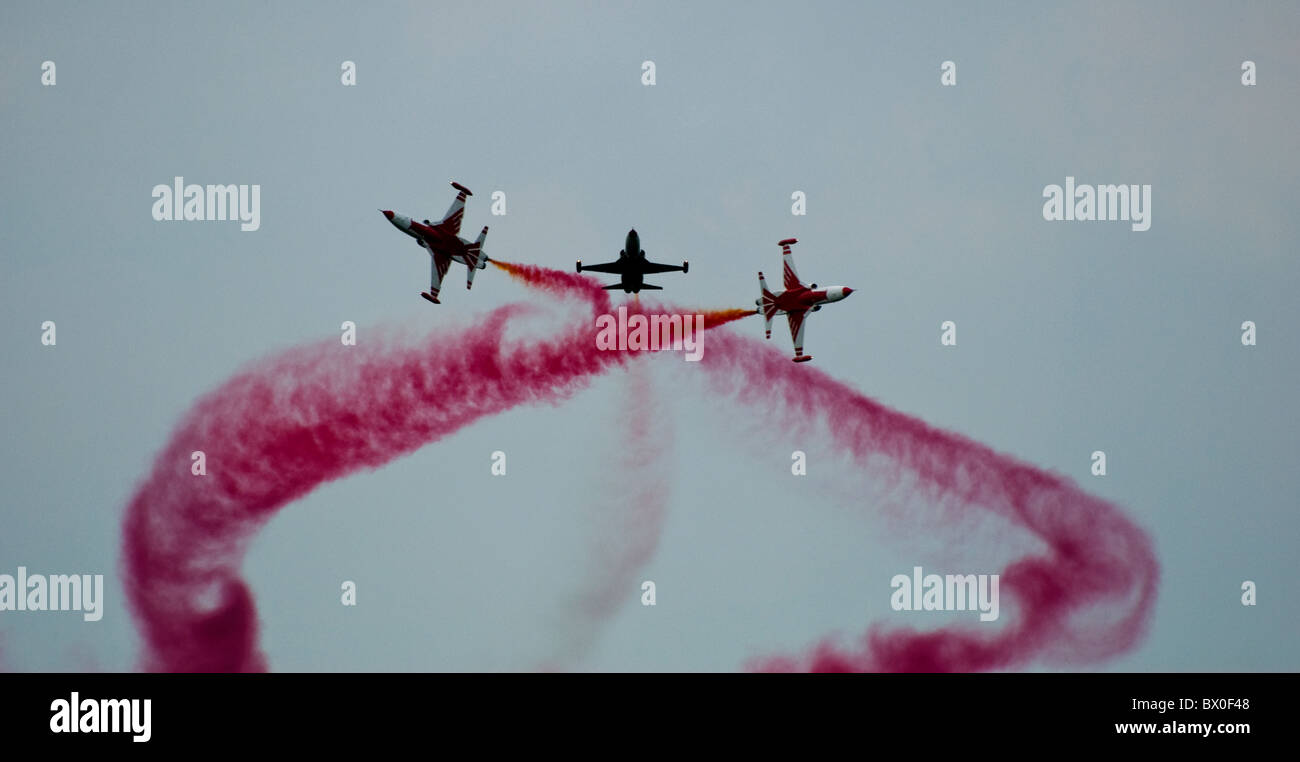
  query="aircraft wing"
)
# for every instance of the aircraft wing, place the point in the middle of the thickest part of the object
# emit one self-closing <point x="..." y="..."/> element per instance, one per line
<point x="797" y="323"/>
<point x="655" y="267"/>
<point x="791" y="280"/>
<point x="439" y="266"/>
<point x="615" y="267"/>
<point x="455" y="213"/>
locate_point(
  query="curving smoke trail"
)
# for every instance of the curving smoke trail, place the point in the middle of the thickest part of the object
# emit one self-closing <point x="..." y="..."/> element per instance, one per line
<point x="1088" y="597"/>
<point x="626" y="515"/>
<point x="285" y="425"/>
<point x="280" y="428"/>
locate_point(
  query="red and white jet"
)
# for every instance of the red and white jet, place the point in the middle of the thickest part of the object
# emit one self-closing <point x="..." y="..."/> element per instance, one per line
<point x="443" y="242"/>
<point x="795" y="302"/>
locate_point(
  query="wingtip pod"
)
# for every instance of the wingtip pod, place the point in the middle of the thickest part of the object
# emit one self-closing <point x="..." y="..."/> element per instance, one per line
<point x="579" y="265"/>
<point x="461" y="188"/>
<point x="686" y="266"/>
<point x="787" y="242"/>
<point x="801" y="358"/>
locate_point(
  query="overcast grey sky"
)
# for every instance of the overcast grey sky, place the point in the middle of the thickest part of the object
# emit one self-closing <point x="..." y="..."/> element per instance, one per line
<point x="926" y="199"/>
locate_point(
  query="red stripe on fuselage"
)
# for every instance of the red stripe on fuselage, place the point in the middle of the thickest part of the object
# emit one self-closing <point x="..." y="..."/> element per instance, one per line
<point x="439" y="240"/>
<point x="801" y="298"/>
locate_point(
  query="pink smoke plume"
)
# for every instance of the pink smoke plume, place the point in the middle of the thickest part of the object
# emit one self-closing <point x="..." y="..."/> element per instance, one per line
<point x="1088" y="597"/>
<point x="285" y="425"/>
<point x="282" y="427"/>
<point x="626" y="515"/>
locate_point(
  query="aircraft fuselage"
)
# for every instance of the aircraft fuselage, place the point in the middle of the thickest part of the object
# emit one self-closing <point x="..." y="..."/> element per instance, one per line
<point x="804" y="298"/>
<point x="632" y="266"/>
<point x="434" y="238"/>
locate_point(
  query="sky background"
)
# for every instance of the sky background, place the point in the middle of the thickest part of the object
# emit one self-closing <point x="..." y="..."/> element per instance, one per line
<point x="1072" y="337"/>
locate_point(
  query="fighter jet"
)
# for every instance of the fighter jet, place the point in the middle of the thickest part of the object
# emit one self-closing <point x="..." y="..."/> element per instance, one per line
<point x="795" y="302"/>
<point x="632" y="265"/>
<point x="443" y="242"/>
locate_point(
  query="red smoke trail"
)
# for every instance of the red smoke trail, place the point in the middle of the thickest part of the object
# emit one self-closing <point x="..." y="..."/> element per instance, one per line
<point x="1088" y="597"/>
<point x="627" y="516"/>
<point x="558" y="282"/>
<point x="646" y="438"/>
<point x="566" y="284"/>
<point x="715" y="318"/>
<point x="628" y="520"/>
<point x="284" y="425"/>
<point x="274" y="432"/>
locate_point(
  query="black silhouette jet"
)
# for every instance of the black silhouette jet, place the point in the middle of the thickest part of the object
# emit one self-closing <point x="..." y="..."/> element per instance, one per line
<point x="632" y="265"/>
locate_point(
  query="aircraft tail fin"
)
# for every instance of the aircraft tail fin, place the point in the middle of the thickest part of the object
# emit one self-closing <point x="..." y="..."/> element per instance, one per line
<point x="477" y="258"/>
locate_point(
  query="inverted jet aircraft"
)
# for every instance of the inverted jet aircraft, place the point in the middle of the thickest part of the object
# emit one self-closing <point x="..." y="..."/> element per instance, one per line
<point x="632" y="265"/>
<point x="795" y="302"/>
<point x="443" y="242"/>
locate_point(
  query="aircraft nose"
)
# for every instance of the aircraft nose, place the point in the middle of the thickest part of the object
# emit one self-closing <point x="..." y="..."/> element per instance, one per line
<point x="388" y="214"/>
